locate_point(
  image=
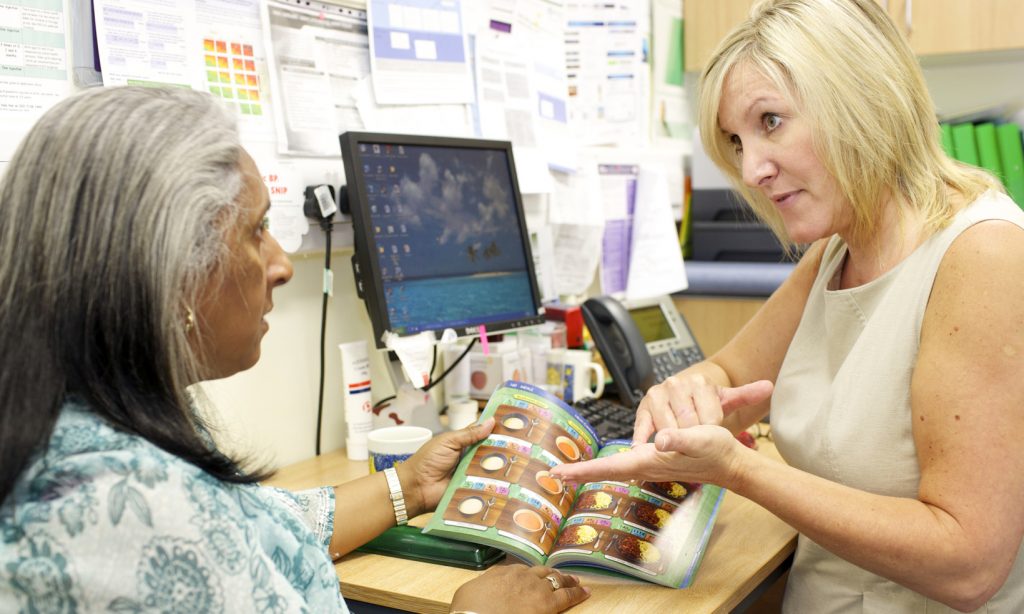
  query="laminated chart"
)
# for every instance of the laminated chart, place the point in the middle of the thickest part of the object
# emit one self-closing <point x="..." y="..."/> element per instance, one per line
<point x="230" y="68"/>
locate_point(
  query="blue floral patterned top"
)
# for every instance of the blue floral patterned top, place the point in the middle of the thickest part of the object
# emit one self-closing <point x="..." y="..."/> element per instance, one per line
<point x="106" y="521"/>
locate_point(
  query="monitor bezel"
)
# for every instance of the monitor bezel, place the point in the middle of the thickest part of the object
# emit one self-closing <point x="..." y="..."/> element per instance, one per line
<point x="367" y="267"/>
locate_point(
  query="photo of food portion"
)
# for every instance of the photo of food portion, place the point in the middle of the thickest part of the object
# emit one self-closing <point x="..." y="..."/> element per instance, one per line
<point x="549" y="483"/>
<point x="606" y="500"/>
<point x="557" y="433"/>
<point x="565" y="445"/>
<point x="578" y="535"/>
<point x="523" y="520"/>
<point x="567" y="448"/>
<point x="538" y="479"/>
<point x="528" y="520"/>
<point x="635" y="551"/>
<point x="520" y="422"/>
<point x="475" y="507"/>
<point x="648" y="514"/>
<point x="585" y="536"/>
<point x="506" y="464"/>
<point x="673" y="491"/>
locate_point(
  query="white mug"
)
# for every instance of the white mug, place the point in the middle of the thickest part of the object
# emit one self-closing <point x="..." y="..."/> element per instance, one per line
<point x="462" y="413"/>
<point x="456" y="383"/>
<point x="392" y="445"/>
<point x="573" y="375"/>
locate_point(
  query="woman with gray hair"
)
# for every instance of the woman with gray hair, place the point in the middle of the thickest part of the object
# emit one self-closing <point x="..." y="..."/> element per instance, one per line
<point x="134" y="262"/>
<point x="890" y="359"/>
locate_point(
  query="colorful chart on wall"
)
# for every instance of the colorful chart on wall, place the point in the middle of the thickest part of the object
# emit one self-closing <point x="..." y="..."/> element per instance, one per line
<point x="234" y="64"/>
<point x="231" y="74"/>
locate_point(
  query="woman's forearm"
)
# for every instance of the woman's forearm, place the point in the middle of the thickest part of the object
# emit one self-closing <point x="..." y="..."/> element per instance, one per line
<point x="908" y="541"/>
<point x="362" y="511"/>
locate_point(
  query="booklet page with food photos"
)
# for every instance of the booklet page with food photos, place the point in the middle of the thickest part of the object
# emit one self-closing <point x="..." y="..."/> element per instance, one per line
<point x="502" y="494"/>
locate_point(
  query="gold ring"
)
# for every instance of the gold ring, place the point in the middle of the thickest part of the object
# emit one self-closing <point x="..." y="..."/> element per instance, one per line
<point x="555" y="583"/>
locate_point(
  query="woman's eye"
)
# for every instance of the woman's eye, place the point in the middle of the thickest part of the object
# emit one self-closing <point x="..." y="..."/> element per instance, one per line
<point x="264" y="225"/>
<point x="771" y="121"/>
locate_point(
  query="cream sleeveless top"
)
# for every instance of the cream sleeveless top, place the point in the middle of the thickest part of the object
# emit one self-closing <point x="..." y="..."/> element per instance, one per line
<point x="841" y="410"/>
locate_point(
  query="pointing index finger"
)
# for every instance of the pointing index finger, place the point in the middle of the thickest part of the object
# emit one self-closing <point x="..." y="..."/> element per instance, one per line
<point x="643" y="428"/>
<point x="609" y="467"/>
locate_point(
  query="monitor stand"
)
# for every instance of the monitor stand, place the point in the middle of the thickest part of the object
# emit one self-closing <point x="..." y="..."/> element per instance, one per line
<point x="411" y="406"/>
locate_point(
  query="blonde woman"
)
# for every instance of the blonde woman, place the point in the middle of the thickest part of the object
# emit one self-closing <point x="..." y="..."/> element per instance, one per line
<point x="891" y="359"/>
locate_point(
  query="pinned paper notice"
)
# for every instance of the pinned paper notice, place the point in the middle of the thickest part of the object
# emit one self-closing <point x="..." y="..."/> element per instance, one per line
<point x="416" y="353"/>
<point x="287" y="221"/>
<point x="655" y="262"/>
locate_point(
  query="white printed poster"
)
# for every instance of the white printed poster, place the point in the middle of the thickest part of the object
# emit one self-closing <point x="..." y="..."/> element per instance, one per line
<point x="319" y="55"/>
<point x="418" y="52"/>
<point x="33" y="66"/>
<point x="604" y="54"/>
<point x="211" y="45"/>
<point x="144" y="42"/>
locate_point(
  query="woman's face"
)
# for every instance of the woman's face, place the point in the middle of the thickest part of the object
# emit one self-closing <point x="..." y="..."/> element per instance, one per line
<point x="231" y="309"/>
<point x="776" y="155"/>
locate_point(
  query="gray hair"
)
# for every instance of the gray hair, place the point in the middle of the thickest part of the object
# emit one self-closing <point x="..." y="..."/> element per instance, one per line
<point x="113" y="215"/>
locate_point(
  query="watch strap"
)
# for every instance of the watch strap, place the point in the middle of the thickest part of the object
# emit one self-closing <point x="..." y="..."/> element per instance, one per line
<point x="397" y="497"/>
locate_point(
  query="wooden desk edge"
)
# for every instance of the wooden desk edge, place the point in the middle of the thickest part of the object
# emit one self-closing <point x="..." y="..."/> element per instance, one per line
<point x="387" y="599"/>
<point x="762" y="575"/>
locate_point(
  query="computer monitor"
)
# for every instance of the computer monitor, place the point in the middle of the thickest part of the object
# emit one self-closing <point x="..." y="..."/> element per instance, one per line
<point x="440" y="234"/>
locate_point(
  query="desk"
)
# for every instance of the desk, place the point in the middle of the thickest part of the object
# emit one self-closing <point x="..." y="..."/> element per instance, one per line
<point x="748" y="544"/>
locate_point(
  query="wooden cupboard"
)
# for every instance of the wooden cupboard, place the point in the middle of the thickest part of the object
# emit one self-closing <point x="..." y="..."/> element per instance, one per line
<point x="714" y="320"/>
<point x="933" y="27"/>
<point x="706" y="22"/>
<point x="938" y="27"/>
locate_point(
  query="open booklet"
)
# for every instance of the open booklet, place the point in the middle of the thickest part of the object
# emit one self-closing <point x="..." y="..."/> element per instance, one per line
<point x="502" y="494"/>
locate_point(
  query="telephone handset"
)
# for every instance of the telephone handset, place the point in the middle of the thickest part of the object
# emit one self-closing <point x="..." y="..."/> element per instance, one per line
<point x="621" y="346"/>
<point x="642" y="342"/>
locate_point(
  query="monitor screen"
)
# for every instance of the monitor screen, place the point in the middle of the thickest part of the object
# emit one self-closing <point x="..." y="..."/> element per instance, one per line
<point x="653" y="324"/>
<point x="440" y="234"/>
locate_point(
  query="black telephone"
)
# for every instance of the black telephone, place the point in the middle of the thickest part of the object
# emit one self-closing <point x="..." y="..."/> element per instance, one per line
<point x="642" y="342"/>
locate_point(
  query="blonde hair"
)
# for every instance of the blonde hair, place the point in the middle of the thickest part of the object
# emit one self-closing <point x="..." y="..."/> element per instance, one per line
<point x="847" y="69"/>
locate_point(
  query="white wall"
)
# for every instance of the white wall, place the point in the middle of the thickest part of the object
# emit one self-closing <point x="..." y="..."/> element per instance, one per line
<point x="976" y="82"/>
<point x="270" y="410"/>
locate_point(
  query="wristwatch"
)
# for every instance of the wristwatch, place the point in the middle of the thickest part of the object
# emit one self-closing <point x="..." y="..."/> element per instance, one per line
<point x="397" y="497"/>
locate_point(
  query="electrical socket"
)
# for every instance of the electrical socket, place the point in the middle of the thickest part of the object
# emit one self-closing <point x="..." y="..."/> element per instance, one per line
<point x="319" y="202"/>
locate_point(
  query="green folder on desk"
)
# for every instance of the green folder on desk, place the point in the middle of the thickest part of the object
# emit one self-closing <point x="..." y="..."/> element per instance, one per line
<point x="408" y="542"/>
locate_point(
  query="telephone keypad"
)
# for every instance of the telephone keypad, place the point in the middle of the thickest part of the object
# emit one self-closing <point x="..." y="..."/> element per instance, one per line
<point x="613" y="420"/>
<point x="669" y="362"/>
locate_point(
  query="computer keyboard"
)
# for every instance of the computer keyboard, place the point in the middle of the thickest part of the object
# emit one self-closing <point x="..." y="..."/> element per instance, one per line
<point x="611" y="419"/>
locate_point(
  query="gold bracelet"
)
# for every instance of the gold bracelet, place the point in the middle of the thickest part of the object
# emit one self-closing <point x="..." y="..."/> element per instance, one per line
<point x="397" y="497"/>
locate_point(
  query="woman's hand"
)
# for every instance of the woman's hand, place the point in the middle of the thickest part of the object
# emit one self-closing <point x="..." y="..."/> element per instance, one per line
<point x="425" y="475"/>
<point x="529" y="589"/>
<point x="688" y="399"/>
<point x="704" y="453"/>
